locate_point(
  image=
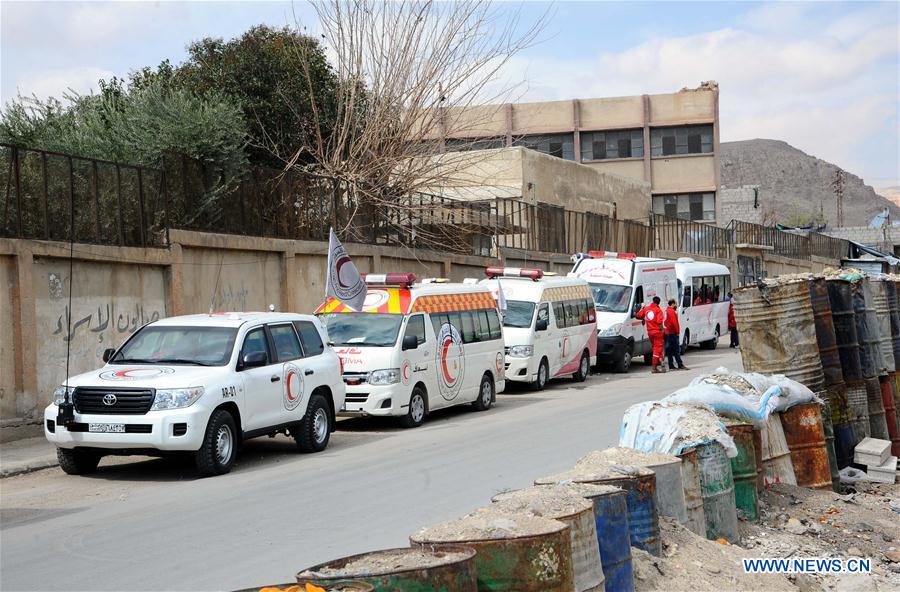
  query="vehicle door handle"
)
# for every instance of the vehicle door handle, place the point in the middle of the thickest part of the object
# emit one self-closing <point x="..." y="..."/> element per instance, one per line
<point x="309" y="372"/>
<point x="275" y="378"/>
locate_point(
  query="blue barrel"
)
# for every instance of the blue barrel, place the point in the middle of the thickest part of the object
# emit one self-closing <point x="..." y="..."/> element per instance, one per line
<point x="844" y="443"/>
<point x="613" y="534"/>
<point x="643" y="519"/>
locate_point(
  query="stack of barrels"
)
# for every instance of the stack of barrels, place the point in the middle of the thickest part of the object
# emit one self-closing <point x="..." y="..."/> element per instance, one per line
<point x="783" y="326"/>
<point x="838" y="334"/>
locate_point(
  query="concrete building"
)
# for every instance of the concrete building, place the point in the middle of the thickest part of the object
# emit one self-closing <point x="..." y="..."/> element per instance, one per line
<point x="670" y="141"/>
<point x="536" y="178"/>
<point x="744" y="203"/>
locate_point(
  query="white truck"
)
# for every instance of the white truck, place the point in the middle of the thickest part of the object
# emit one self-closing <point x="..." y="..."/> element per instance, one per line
<point x="200" y="384"/>
<point x="621" y="283"/>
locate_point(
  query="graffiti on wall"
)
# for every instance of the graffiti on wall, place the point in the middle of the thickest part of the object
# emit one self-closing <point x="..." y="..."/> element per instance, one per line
<point x="125" y="322"/>
<point x="231" y="298"/>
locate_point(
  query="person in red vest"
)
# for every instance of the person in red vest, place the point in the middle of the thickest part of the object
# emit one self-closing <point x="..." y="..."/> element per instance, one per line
<point x="652" y="315"/>
<point x="672" y="332"/>
<point x="732" y="324"/>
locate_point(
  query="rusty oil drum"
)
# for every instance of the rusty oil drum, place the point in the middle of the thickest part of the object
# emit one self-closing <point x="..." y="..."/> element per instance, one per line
<point x="891" y="288"/>
<point x="897" y="397"/>
<point x="717" y="489"/>
<point x="743" y="469"/>
<point x="805" y="438"/>
<point x="534" y="563"/>
<point x="575" y="511"/>
<point x="867" y="332"/>
<point x="693" y="501"/>
<point x="890" y="415"/>
<point x="877" y="421"/>
<point x="858" y="402"/>
<point x="454" y="569"/>
<point x="778" y="333"/>
<point x="883" y="313"/>
<point x="828" y="428"/>
<point x="844" y="321"/>
<point x="825" y="336"/>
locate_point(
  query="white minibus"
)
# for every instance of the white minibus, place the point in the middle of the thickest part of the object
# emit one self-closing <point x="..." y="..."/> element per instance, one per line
<point x="703" y="289"/>
<point x="417" y="347"/>
<point x="549" y="325"/>
<point x="621" y="283"/>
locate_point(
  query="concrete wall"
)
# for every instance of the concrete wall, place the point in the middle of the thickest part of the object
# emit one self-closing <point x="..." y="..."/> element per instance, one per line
<point x="741" y="203"/>
<point x="118" y="289"/>
<point x="885" y="239"/>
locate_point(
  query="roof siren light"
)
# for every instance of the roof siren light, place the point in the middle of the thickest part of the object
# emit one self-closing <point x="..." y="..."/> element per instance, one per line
<point x="610" y="255"/>
<point x="532" y="274"/>
<point x="401" y="280"/>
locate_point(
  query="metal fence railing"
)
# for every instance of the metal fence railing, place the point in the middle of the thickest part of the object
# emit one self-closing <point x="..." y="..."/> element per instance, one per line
<point x="794" y="245"/>
<point x="687" y="236"/>
<point x="122" y="204"/>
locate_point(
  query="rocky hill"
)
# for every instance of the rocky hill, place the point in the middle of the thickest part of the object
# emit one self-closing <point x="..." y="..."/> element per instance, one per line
<point x="795" y="185"/>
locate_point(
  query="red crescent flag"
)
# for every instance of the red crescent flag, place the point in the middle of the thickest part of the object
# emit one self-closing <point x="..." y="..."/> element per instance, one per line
<point x="343" y="281"/>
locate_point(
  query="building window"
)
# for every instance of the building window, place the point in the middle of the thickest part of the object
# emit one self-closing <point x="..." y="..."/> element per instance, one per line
<point x="559" y="145"/>
<point x="462" y="144"/>
<point x="618" y="144"/>
<point x="687" y="206"/>
<point x="690" y="139"/>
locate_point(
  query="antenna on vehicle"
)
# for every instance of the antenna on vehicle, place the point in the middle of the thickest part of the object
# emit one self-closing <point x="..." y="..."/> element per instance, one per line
<point x="212" y="297"/>
<point x="66" y="414"/>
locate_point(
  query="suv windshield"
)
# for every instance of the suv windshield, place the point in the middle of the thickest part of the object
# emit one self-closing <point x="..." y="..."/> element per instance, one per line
<point x="198" y="346"/>
<point x="518" y="313"/>
<point x="362" y="328"/>
<point x="610" y="297"/>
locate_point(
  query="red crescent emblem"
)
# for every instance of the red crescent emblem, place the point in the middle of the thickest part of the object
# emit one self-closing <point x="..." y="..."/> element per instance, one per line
<point x="287" y="381"/>
<point x="448" y="378"/>
<point x="337" y="270"/>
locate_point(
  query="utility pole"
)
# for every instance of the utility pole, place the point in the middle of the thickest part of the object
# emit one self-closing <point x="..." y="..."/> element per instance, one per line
<point x="838" y="186"/>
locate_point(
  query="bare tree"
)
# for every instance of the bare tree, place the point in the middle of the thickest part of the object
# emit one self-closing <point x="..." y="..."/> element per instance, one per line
<point x="408" y="72"/>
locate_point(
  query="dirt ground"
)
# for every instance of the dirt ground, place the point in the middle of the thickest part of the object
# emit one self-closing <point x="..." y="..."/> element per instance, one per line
<point x="794" y="522"/>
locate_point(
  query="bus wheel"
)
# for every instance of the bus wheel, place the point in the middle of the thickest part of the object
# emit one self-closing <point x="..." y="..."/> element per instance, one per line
<point x="584" y="368"/>
<point x="685" y="342"/>
<point x="485" y="394"/>
<point x="712" y="343"/>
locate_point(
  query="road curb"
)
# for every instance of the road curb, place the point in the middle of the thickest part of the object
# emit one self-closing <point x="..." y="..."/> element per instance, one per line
<point x="27" y="467"/>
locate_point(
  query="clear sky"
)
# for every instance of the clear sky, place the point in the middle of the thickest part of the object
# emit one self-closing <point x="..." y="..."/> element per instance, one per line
<point x="823" y="76"/>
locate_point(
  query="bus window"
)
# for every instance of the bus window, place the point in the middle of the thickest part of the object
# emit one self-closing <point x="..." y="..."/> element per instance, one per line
<point x="717" y="289"/>
<point x="686" y="297"/>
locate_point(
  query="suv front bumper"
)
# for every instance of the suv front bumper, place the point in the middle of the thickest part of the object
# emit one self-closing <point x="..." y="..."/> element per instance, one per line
<point x="153" y="430"/>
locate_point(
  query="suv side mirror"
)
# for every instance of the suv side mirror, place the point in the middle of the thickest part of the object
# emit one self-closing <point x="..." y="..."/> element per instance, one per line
<point x="108" y="353"/>
<point x="541" y="325"/>
<point x="254" y="359"/>
<point x="410" y="342"/>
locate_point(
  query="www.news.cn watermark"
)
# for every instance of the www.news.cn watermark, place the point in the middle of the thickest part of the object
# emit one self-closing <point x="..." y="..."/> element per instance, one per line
<point x="808" y="565"/>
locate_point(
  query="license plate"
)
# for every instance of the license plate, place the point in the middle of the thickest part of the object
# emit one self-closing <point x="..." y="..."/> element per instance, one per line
<point x="107" y="428"/>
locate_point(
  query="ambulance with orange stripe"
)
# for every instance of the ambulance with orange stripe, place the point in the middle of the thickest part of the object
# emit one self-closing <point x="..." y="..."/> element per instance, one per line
<point x="549" y="325"/>
<point x="621" y="283"/>
<point x="417" y="347"/>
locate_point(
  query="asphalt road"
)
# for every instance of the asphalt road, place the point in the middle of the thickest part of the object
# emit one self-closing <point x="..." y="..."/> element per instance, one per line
<point x="149" y="524"/>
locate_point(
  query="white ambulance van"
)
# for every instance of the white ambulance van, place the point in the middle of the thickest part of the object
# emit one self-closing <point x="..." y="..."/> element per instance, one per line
<point x="417" y="347"/>
<point x="549" y="325"/>
<point x="621" y="283"/>
<point x="703" y="289"/>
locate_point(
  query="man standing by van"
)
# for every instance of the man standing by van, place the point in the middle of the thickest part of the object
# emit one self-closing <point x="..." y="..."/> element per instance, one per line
<point x="673" y="331"/>
<point x="652" y="314"/>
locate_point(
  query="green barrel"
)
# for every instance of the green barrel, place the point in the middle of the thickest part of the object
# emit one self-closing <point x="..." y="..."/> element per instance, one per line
<point x="743" y="469"/>
<point x="338" y="586"/>
<point x="445" y="569"/>
<point x="514" y="552"/>
<point x="717" y="490"/>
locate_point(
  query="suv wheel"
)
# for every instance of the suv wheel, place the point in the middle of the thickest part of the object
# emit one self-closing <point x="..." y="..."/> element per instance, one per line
<point x="415" y="413"/>
<point x="584" y="368"/>
<point x="77" y="462"/>
<point x="485" y="394"/>
<point x="315" y="427"/>
<point x="219" y="448"/>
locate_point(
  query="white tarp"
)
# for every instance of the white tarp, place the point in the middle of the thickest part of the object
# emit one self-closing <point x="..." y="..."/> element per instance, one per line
<point x="670" y="428"/>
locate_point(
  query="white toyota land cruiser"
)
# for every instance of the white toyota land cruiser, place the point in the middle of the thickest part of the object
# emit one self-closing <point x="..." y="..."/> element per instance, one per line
<point x="202" y="384"/>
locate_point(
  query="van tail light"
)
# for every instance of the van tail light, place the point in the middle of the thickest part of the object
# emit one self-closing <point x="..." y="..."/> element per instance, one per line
<point x="533" y="274"/>
<point x="401" y="280"/>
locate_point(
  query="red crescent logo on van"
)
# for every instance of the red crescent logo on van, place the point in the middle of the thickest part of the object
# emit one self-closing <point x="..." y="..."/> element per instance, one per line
<point x="445" y="349"/>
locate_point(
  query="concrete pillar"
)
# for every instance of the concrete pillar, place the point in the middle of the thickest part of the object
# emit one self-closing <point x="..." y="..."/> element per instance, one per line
<point x="24" y="332"/>
<point x="288" y="279"/>
<point x="175" y="291"/>
<point x="648" y="174"/>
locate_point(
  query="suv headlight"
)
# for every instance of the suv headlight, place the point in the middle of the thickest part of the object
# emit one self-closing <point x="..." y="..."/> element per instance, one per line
<point x="612" y="331"/>
<point x="59" y="395"/>
<point x="176" y="398"/>
<point x="383" y="377"/>
<point x="521" y="351"/>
